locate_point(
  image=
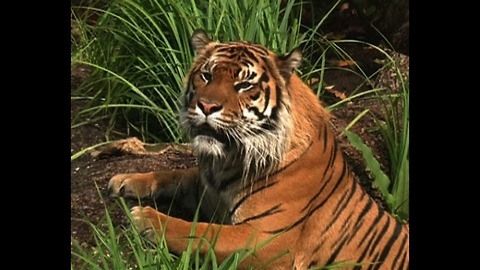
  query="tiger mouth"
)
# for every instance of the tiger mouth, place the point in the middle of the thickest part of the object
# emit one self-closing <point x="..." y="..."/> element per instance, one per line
<point x="208" y="131"/>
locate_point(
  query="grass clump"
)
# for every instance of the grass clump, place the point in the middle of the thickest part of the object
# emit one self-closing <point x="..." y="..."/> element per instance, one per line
<point x="393" y="123"/>
<point x="395" y="130"/>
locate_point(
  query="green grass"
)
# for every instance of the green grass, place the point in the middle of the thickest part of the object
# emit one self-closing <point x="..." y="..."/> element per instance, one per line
<point x="118" y="247"/>
<point x="395" y="130"/>
<point x="139" y="53"/>
<point x="124" y="248"/>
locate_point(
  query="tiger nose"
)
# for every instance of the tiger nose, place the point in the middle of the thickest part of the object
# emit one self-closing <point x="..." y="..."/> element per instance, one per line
<point x="208" y="107"/>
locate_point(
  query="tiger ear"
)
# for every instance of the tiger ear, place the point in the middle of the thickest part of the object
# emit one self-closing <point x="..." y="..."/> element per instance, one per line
<point x="199" y="40"/>
<point x="288" y="62"/>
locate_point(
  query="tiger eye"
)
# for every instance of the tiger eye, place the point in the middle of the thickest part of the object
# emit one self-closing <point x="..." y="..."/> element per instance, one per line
<point x="243" y="86"/>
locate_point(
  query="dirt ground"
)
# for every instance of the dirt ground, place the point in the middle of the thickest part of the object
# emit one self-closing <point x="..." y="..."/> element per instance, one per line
<point x="90" y="173"/>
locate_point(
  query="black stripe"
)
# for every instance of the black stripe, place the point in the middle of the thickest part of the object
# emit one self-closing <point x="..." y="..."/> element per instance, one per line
<point x="402" y="263"/>
<point x="264" y="78"/>
<point x="267" y="98"/>
<point x="359" y="222"/>
<point x="380" y="235"/>
<point x="327" y="169"/>
<point x="257" y="113"/>
<point x="341" y="205"/>
<point x="271" y="211"/>
<point x="225" y="55"/>
<point x="317" y="248"/>
<point x="344" y="232"/>
<point x="335" y="253"/>
<point x="367" y="248"/>
<point x="357" y="267"/>
<point x="333" y="156"/>
<point x="373" y="224"/>
<point x="251" y="55"/>
<point x="224" y="183"/>
<point x="278" y="92"/>
<point x="258" y="49"/>
<point x="269" y="125"/>
<point x="237" y="72"/>
<point x="294" y="161"/>
<point x="234" y="208"/>
<point x="252" y="75"/>
<point x="325" y="136"/>
<point x="188" y="96"/>
<point x="246" y="62"/>
<point x="399" y="252"/>
<point x="364" y="211"/>
<point x="237" y="205"/>
<point x="374" y="263"/>
<point x="388" y="246"/>
<point x="318" y="193"/>
<point x="300" y="220"/>
<point x="344" y="169"/>
<point x="228" y="49"/>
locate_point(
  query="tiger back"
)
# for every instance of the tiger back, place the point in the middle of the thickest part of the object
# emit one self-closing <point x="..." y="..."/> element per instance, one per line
<point x="270" y="173"/>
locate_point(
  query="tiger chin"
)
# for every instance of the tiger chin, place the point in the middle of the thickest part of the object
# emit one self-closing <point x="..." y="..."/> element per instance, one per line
<point x="270" y="177"/>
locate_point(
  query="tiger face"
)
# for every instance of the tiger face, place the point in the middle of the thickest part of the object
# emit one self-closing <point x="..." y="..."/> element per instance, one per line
<point x="235" y="101"/>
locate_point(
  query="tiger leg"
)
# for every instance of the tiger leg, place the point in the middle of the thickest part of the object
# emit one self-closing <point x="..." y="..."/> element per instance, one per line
<point x="151" y="184"/>
<point x="225" y="239"/>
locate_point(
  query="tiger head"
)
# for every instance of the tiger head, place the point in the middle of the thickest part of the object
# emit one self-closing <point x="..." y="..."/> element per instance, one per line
<point x="236" y="103"/>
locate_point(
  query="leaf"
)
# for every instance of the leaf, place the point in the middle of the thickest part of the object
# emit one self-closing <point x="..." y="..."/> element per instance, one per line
<point x="313" y="82"/>
<point x="337" y="93"/>
<point x="344" y="7"/>
<point x="381" y="179"/>
<point x="121" y="147"/>
<point x="342" y="63"/>
<point x="401" y="191"/>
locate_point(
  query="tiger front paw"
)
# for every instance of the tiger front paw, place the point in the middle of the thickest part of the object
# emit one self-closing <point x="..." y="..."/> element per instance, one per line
<point x="148" y="222"/>
<point x="136" y="185"/>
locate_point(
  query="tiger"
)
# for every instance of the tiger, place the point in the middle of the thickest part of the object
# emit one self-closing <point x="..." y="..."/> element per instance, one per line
<point x="271" y="178"/>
